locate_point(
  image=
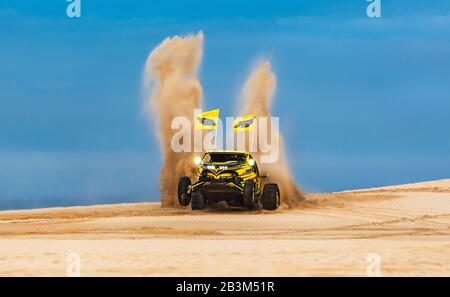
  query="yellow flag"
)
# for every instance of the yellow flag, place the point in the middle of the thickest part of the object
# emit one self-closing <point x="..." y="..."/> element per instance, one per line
<point x="245" y="123"/>
<point x="208" y="120"/>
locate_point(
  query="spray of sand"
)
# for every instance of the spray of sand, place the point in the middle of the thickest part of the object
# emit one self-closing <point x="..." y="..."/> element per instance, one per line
<point x="256" y="96"/>
<point x="170" y="76"/>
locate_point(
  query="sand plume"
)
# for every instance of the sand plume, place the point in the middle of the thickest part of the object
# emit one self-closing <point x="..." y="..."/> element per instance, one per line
<point x="171" y="77"/>
<point x="257" y="95"/>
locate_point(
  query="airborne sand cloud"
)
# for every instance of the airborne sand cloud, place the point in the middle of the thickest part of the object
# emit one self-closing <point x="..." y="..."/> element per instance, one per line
<point x="257" y="95"/>
<point x="171" y="77"/>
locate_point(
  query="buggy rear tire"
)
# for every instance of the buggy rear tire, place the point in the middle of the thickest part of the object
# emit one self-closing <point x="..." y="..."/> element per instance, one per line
<point x="198" y="201"/>
<point x="183" y="197"/>
<point x="270" y="199"/>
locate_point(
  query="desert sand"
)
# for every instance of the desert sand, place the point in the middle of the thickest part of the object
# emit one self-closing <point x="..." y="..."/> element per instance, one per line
<point x="331" y="234"/>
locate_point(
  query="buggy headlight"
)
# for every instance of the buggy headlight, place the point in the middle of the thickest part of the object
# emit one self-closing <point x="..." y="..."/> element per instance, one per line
<point x="210" y="167"/>
<point x="197" y="160"/>
<point x="251" y="162"/>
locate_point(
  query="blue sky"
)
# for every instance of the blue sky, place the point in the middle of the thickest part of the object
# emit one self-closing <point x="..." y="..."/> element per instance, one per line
<point x="362" y="102"/>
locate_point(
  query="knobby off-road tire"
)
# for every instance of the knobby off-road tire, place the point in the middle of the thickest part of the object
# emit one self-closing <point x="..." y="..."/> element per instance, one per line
<point x="270" y="199"/>
<point x="183" y="197"/>
<point x="198" y="201"/>
<point x="249" y="194"/>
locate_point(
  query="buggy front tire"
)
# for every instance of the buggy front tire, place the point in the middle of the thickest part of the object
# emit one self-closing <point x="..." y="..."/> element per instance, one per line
<point x="184" y="198"/>
<point x="249" y="194"/>
<point x="270" y="199"/>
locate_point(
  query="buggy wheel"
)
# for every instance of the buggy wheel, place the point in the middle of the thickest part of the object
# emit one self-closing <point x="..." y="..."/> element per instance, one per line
<point x="198" y="201"/>
<point x="183" y="185"/>
<point x="249" y="194"/>
<point x="270" y="199"/>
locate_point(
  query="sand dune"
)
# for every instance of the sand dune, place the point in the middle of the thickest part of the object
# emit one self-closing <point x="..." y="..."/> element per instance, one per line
<point x="408" y="226"/>
<point x="442" y="185"/>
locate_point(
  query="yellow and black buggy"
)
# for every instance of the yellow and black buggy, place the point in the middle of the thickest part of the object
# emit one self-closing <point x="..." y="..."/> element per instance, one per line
<point x="228" y="176"/>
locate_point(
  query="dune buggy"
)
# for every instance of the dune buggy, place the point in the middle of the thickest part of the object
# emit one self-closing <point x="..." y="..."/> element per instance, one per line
<point x="228" y="176"/>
